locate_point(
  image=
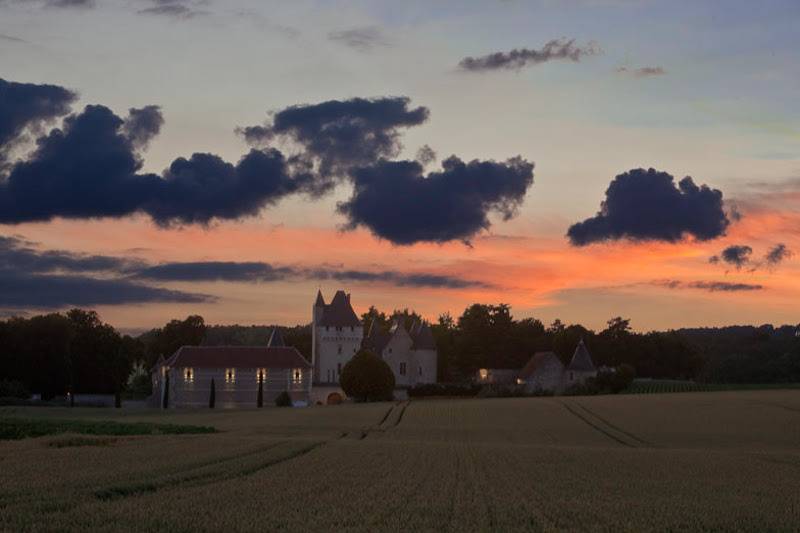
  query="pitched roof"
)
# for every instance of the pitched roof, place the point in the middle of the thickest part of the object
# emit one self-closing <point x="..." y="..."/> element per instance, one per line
<point x="377" y="338"/>
<point x="339" y="313"/>
<point x="538" y="361"/>
<point x="422" y="335"/>
<point x="581" y="360"/>
<point x="320" y="300"/>
<point x="276" y="339"/>
<point x="237" y="357"/>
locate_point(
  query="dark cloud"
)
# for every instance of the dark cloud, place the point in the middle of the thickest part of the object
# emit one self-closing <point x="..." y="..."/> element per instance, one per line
<point x="176" y="9"/>
<point x="254" y="272"/>
<point x="216" y="271"/>
<point x="556" y="49"/>
<point x="24" y="109"/>
<point x="363" y="39"/>
<point x="83" y="4"/>
<point x="143" y="124"/>
<point x="426" y="155"/>
<point x="12" y="39"/>
<point x="777" y="254"/>
<point x="20" y="255"/>
<point x="90" y="168"/>
<point x="21" y="290"/>
<point x="736" y="255"/>
<point x="339" y="135"/>
<point x="711" y="286"/>
<point x="642" y="72"/>
<point x="397" y="201"/>
<point x="645" y="205"/>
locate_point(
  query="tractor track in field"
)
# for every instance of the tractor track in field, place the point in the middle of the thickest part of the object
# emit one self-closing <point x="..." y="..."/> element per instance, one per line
<point x="615" y="427"/>
<point x="608" y="432"/>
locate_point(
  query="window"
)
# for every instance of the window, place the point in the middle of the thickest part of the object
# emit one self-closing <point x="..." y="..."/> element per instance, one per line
<point x="354" y="350"/>
<point x="230" y="375"/>
<point x="188" y="375"/>
<point x="297" y="375"/>
<point x="339" y="351"/>
<point x="402" y="369"/>
<point x="326" y="328"/>
<point x="483" y="373"/>
<point x="338" y="369"/>
<point x="261" y="375"/>
<point x="571" y="376"/>
<point x="420" y="370"/>
<point x="352" y="328"/>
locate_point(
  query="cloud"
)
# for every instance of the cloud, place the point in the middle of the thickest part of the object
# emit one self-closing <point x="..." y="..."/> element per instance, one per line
<point x="19" y="255"/>
<point x="777" y="254"/>
<point x="69" y="3"/>
<point x="396" y="201"/>
<point x="642" y="205"/>
<point x="91" y="167"/>
<point x="20" y="290"/>
<point x="643" y="72"/>
<point x="143" y="124"/>
<point x="258" y="272"/>
<point x="556" y="49"/>
<point x="339" y="135"/>
<point x="426" y="155"/>
<point x="736" y="255"/>
<point x="24" y="109"/>
<point x="711" y="286"/>
<point x="12" y="39"/>
<point x="363" y="39"/>
<point x="176" y="9"/>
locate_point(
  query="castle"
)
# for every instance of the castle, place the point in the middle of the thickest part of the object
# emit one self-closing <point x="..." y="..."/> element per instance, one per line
<point x="338" y="333"/>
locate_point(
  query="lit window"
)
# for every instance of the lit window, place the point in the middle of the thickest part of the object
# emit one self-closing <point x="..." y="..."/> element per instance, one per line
<point x="402" y="369"/>
<point x="230" y="375"/>
<point x="483" y="373"/>
<point x="188" y="375"/>
<point x="297" y="375"/>
<point x="261" y="375"/>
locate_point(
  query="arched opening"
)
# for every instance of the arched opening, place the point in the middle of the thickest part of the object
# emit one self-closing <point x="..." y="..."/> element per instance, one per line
<point x="334" y="398"/>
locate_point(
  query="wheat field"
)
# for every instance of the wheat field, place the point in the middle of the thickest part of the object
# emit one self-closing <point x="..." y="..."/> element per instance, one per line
<point x="722" y="461"/>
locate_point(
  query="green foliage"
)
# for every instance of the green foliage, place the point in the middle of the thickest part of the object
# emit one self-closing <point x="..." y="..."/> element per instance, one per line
<point x="13" y="428"/>
<point x="367" y="378"/>
<point x="451" y="390"/>
<point x="165" y="400"/>
<point x="212" y="396"/>
<point x="283" y="400"/>
<point x="165" y="341"/>
<point x="260" y="398"/>
<point x="140" y="383"/>
<point x="78" y="442"/>
<point x="13" y="389"/>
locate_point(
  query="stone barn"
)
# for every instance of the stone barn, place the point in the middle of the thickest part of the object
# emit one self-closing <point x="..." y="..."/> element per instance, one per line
<point x="544" y="372"/>
<point x="581" y="366"/>
<point x="185" y="378"/>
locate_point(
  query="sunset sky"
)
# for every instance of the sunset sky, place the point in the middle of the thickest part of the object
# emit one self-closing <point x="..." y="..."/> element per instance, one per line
<point x="354" y="188"/>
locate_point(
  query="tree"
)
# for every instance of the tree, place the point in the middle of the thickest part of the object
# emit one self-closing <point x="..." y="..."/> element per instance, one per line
<point x="212" y="397"/>
<point x="283" y="400"/>
<point x="166" y="341"/>
<point x="165" y="404"/>
<point x="367" y="378"/>
<point x="260" y="400"/>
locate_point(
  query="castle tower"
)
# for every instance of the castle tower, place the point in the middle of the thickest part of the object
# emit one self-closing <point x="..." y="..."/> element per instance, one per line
<point x="336" y="336"/>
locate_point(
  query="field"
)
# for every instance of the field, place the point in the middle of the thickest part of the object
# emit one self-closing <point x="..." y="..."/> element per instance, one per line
<point x="679" y="462"/>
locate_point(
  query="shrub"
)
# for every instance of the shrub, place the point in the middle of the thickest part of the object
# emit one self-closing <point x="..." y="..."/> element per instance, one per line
<point x="13" y="389"/>
<point x="283" y="400"/>
<point x="260" y="398"/>
<point x="444" y="389"/>
<point x="367" y="378"/>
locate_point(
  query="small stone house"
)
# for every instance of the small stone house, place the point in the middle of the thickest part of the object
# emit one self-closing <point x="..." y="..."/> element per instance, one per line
<point x="546" y="372"/>
<point x="185" y="378"/>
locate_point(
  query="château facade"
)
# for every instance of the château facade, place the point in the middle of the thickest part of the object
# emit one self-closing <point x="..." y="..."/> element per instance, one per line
<point x="338" y="334"/>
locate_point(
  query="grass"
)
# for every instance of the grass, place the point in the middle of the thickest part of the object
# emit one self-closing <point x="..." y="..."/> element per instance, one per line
<point x="13" y="428"/>
<point x="659" y="386"/>
<point x="666" y="462"/>
<point x="73" y="442"/>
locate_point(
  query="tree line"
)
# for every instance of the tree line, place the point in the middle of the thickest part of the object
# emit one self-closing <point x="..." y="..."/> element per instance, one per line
<point x="75" y="351"/>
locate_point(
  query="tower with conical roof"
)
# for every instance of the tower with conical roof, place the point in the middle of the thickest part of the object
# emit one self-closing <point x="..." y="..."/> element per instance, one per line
<point x="336" y="335"/>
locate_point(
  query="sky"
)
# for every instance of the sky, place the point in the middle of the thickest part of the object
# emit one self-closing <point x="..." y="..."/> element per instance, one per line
<point x="237" y="156"/>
